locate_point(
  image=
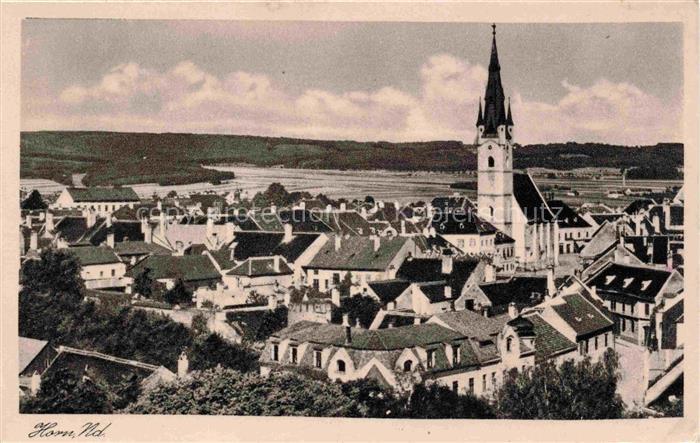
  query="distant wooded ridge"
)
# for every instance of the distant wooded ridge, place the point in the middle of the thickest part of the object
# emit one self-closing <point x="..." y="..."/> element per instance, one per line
<point x="120" y="158"/>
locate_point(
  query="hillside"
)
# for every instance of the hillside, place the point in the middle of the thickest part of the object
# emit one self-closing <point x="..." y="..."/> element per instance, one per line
<point x="127" y="158"/>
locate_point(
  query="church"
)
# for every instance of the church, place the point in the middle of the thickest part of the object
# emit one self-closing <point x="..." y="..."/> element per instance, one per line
<point x="510" y="200"/>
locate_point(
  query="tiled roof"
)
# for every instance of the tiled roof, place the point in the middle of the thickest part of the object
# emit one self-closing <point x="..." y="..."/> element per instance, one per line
<point x="122" y="230"/>
<point x="459" y="222"/>
<point x="260" y="244"/>
<point x="94" y="255"/>
<point x="548" y="341"/>
<point x="449" y="203"/>
<point x="523" y="291"/>
<point x="388" y="290"/>
<point x="567" y="217"/>
<point x="29" y="348"/>
<point x="71" y="228"/>
<point x="259" y="267"/>
<point x="669" y="325"/>
<point x="473" y="325"/>
<point x="600" y="241"/>
<point x="357" y="253"/>
<point x="103" y="194"/>
<point x="435" y="291"/>
<point x="581" y="315"/>
<point x="139" y="248"/>
<point x="303" y="220"/>
<point x="530" y="200"/>
<point x="186" y="267"/>
<point x="347" y="222"/>
<point x="420" y="270"/>
<point x="635" y="281"/>
<point x="377" y="339"/>
<point x="639" y="205"/>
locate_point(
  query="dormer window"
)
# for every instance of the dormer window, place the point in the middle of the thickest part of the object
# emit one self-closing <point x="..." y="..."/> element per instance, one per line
<point x="509" y="344"/>
<point x="407" y="366"/>
<point x="317" y="359"/>
<point x="609" y="279"/>
<point x="627" y="282"/>
<point x="645" y="284"/>
<point x="341" y="366"/>
<point x="293" y="355"/>
<point x="275" y="352"/>
<point x="456" y="357"/>
<point x="491" y="162"/>
<point x="431" y="359"/>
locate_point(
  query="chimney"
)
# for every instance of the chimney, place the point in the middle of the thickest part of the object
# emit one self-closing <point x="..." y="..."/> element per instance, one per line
<point x="28" y="220"/>
<point x="272" y="302"/>
<point x="335" y="297"/>
<point x="485" y="311"/>
<point x="594" y="292"/>
<point x="144" y="224"/>
<point x="551" y="287"/>
<point x="657" y="224"/>
<point x="210" y="226"/>
<point x="108" y="221"/>
<point x="363" y="212"/>
<point x="348" y="331"/>
<point x="357" y="323"/>
<point x="33" y="241"/>
<point x="287" y="233"/>
<point x="391" y="306"/>
<point x="302" y="205"/>
<point x="110" y="239"/>
<point x="159" y="205"/>
<point x="390" y="325"/>
<point x="161" y="225"/>
<point x="183" y="365"/>
<point x="343" y="206"/>
<point x="432" y="233"/>
<point x="448" y="291"/>
<point x="337" y="242"/>
<point x="329" y="208"/>
<point x="287" y="299"/>
<point x="276" y="263"/>
<point x="512" y="310"/>
<point x="489" y="273"/>
<point x="447" y="264"/>
<point x="230" y="232"/>
<point x="403" y="227"/>
<point x="35" y="383"/>
<point x="147" y="233"/>
<point x="416" y="320"/>
<point x="49" y="221"/>
<point x="377" y="243"/>
<point x="90" y="218"/>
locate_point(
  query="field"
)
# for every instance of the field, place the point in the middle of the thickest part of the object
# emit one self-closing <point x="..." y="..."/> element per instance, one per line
<point x="386" y="185"/>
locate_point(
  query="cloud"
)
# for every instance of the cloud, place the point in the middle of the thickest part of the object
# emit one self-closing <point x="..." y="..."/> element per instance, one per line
<point x="186" y="97"/>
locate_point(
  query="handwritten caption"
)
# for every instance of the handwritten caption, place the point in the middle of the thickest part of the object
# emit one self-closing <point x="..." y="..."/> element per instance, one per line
<point x="52" y="430"/>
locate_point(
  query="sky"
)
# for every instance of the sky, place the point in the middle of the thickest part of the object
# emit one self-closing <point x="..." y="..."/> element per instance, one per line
<point x="612" y="83"/>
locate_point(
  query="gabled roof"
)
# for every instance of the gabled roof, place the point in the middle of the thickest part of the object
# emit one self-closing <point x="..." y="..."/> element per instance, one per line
<point x="94" y="255"/>
<point x="71" y="228"/>
<point x="579" y="313"/>
<point x="302" y="220"/>
<point x="451" y="203"/>
<point x="461" y="222"/>
<point x="530" y="200"/>
<point x="139" y="248"/>
<point x="669" y="325"/>
<point x="471" y="324"/>
<point x="639" y="205"/>
<point x="122" y="230"/>
<point x="357" y="253"/>
<point x="634" y="281"/>
<point x="423" y="270"/>
<point x="261" y="244"/>
<point x="548" y="341"/>
<point x="605" y="217"/>
<point x="641" y="245"/>
<point x="600" y="241"/>
<point x="345" y="222"/>
<point x="375" y="339"/>
<point x="261" y="267"/>
<point x="521" y="290"/>
<point x="567" y="217"/>
<point x="435" y="291"/>
<point x="388" y="290"/>
<point x="103" y="194"/>
<point x="29" y="348"/>
<point x="186" y="267"/>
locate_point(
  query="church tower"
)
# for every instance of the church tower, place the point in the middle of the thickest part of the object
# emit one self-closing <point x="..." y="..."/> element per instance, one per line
<point x="494" y="125"/>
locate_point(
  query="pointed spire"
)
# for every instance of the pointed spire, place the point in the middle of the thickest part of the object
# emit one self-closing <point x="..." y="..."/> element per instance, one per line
<point x="509" y="116"/>
<point x="494" y="109"/>
<point x="480" y="116"/>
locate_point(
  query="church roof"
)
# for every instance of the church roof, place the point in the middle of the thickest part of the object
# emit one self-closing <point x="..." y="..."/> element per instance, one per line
<point x="494" y="112"/>
<point x="530" y="199"/>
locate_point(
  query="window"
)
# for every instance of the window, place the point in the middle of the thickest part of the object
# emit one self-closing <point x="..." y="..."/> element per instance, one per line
<point x="336" y="278"/>
<point x="613" y="305"/>
<point x="407" y="366"/>
<point x="317" y="359"/>
<point x="493" y="379"/>
<point x="646" y="308"/>
<point x="483" y="383"/>
<point x="455" y="386"/>
<point x="491" y="161"/>
<point x="315" y="284"/>
<point x="581" y="349"/>
<point x="509" y="343"/>
<point x="586" y="346"/>
<point x="595" y="343"/>
<point x="605" y="337"/>
<point x="275" y="352"/>
<point x="624" y="324"/>
<point x="460" y="244"/>
<point x="632" y="322"/>
<point x="114" y="272"/>
<point x="456" y="358"/>
<point x="491" y="211"/>
<point x="341" y="366"/>
<point x="431" y="359"/>
<point x="471" y="385"/>
<point x="293" y="356"/>
<point x="624" y="307"/>
<point x="102" y="273"/>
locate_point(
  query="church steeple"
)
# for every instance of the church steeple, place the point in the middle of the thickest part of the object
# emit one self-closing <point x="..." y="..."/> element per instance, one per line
<point x="494" y="106"/>
<point x="509" y="116"/>
<point x="480" y="116"/>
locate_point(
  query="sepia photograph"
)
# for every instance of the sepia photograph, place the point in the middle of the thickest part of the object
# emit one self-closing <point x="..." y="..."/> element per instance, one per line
<point x="350" y="219"/>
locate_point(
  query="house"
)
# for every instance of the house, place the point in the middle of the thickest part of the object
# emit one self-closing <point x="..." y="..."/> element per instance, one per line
<point x="132" y="252"/>
<point x="96" y="366"/>
<point x="574" y="230"/>
<point x="194" y="270"/>
<point x="366" y="259"/>
<point x="602" y="239"/>
<point x="102" y="200"/>
<point x="494" y="297"/>
<point x="631" y="294"/>
<point x="263" y="275"/>
<point x="100" y="267"/>
<point x="35" y="356"/>
<point x="465" y="230"/>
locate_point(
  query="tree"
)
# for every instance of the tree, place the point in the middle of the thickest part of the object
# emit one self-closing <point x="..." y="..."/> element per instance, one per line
<point x="56" y="271"/>
<point x="357" y="307"/>
<point x="255" y="298"/>
<point x="373" y="400"/>
<point x="212" y="350"/>
<point x="64" y="392"/>
<point x="345" y="285"/>
<point x="34" y="202"/>
<point x="438" y="401"/>
<point x="277" y="195"/>
<point x="582" y="390"/>
<point x="143" y="283"/>
<point x="172" y="194"/>
<point x="221" y="391"/>
<point x="199" y="324"/>
<point x="179" y="294"/>
<point x="271" y="322"/>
